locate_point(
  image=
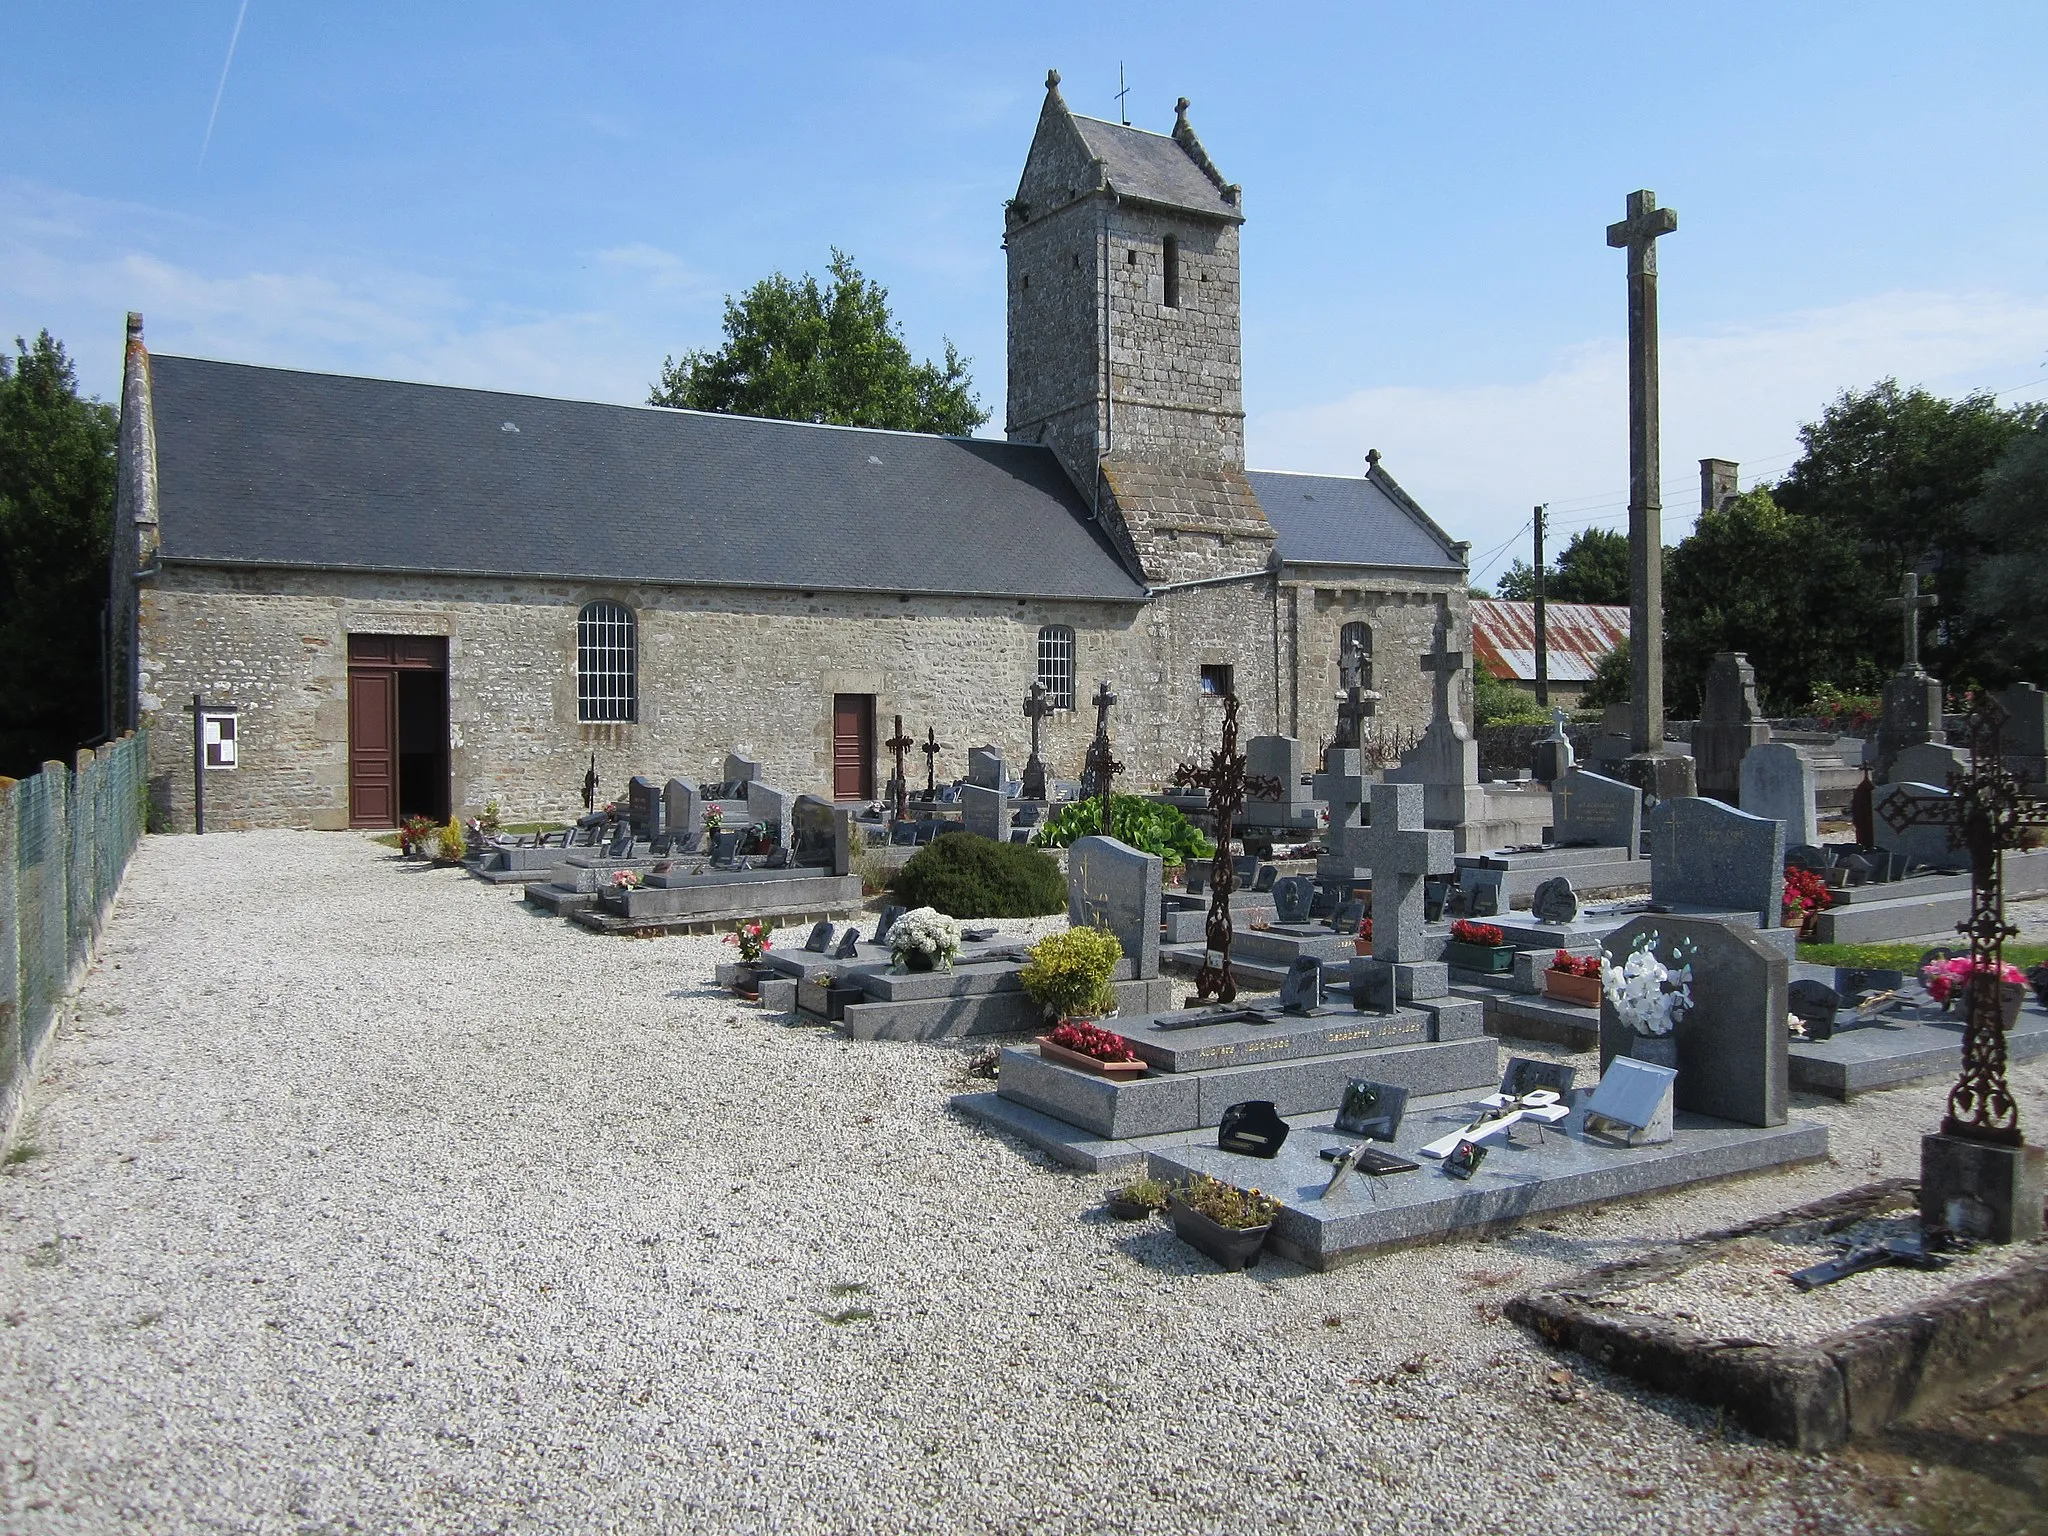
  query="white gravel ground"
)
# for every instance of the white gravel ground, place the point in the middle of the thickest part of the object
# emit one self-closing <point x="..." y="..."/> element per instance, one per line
<point x="365" y="1199"/>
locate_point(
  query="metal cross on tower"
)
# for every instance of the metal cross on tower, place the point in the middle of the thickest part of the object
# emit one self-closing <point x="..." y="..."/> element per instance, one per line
<point x="1227" y="784"/>
<point x="1984" y="811"/>
<point x="899" y="744"/>
<point x="1639" y="233"/>
<point x="1910" y="599"/>
<point x="1101" y="768"/>
<point x="1036" y="708"/>
<point x="931" y="749"/>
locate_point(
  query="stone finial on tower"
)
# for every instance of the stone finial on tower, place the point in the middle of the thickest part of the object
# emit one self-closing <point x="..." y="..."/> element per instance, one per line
<point x="1052" y="80"/>
<point x="1372" y="460"/>
<point x="1184" y="136"/>
<point x="135" y="325"/>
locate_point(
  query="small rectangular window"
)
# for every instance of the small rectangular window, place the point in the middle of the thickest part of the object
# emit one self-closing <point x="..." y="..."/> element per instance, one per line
<point x="1169" y="251"/>
<point x="1216" y="681"/>
<point x="1056" y="665"/>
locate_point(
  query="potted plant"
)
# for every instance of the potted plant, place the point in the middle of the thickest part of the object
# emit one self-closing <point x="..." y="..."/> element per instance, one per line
<point x="751" y="938"/>
<point x="493" y="819"/>
<point x="1067" y="974"/>
<point x="1650" y="997"/>
<point x="451" y="843"/>
<point x="1573" y="981"/>
<point x="627" y="879"/>
<point x="1479" y="947"/>
<point x="924" y="939"/>
<point x="414" y="834"/>
<point x="1227" y="1223"/>
<point x="1090" y="1048"/>
<point x="1138" y="1199"/>
<point x="1806" y="897"/>
<point x="1363" y="942"/>
<point x="1949" y="983"/>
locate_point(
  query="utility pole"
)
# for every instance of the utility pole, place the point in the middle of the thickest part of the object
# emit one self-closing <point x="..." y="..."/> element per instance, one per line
<point x="1542" y="640"/>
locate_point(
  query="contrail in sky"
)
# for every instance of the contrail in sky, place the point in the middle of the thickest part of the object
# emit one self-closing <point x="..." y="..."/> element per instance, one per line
<point x="240" y="16"/>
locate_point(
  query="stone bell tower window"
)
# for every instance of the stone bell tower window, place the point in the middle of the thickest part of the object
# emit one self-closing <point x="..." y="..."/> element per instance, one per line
<point x="1169" y="250"/>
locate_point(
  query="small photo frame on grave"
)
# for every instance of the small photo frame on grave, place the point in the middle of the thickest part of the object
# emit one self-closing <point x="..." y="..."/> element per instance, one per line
<point x="1372" y="1110"/>
<point x="1632" y="1105"/>
<point x="1464" y="1160"/>
<point x="1525" y="1074"/>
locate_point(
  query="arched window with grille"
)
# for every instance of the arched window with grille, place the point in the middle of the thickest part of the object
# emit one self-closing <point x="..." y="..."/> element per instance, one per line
<point x="1355" y="639"/>
<point x="607" y="664"/>
<point x="1056" y="665"/>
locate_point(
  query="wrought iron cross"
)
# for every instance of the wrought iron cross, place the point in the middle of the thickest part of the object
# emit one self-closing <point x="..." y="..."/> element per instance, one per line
<point x="1910" y="599"/>
<point x="931" y="749"/>
<point x="1101" y="767"/>
<point x="590" y="783"/>
<point x="1984" y="811"/>
<point x="1227" y="784"/>
<point x="1036" y="708"/>
<point x="899" y="744"/>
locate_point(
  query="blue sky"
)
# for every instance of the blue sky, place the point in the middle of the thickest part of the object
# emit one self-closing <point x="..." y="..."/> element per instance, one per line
<point x="551" y="198"/>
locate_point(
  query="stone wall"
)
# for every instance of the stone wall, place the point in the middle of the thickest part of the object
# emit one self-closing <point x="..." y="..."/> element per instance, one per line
<point x="1400" y="611"/>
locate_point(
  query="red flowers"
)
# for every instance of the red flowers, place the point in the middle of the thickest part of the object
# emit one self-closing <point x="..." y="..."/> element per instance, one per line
<point x="1089" y="1040"/>
<point x="1805" y="893"/>
<point x="1484" y="935"/>
<point x="1563" y="961"/>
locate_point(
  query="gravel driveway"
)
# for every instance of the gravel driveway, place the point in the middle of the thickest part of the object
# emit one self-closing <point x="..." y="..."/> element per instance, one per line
<point x="364" y="1199"/>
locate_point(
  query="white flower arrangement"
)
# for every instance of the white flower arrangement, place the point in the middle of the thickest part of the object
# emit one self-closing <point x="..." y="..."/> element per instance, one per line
<point x="1648" y="995"/>
<point x="925" y="931"/>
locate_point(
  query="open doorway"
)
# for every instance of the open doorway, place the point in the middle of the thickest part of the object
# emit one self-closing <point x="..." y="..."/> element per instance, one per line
<point x="397" y="729"/>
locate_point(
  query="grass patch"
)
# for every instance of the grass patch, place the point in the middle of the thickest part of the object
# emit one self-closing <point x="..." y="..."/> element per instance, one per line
<point x="388" y="839"/>
<point x="1903" y="957"/>
<point x="849" y="1315"/>
<point x="849" y="1288"/>
<point x="21" y="1154"/>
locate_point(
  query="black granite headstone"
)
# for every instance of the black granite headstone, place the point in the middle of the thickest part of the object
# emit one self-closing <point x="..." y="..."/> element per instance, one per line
<point x="1806" y="856"/>
<point x="1554" y="901"/>
<point x="1301" y="989"/>
<point x="1292" y="898"/>
<point x="1372" y="1110"/>
<point x="820" y="939"/>
<point x="1253" y="1128"/>
<point x="1814" y="1004"/>
<point x="886" y="920"/>
<point x="1481" y="891"/>
<point x="848" y="946"/>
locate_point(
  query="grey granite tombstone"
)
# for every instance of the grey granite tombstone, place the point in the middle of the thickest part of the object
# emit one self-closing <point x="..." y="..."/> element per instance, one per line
<point x="1301" y="989"/>
<point x="769" y="805"/>
<point x="1732" y="1060"/>
<point x="1592" y="810"/>
<point x="1778" y="784"/>
<point x="1554" y="901"/>
<point x="1342" y="785"/>
<point x="644" y="807"/>
<point x="682" y="812"/>
<point x="1909" y="715"/>
<point x="1292" y="898"/>
<point x="821" y="937"/>
<point x="1403" y="855"/>
<point x="1481" y="890"/>
<point x="1706" y="854"/>
<point x="1112" y="885"/>
<point x="1731" y="723"/>
<point x="985" y="768"/>
<point x="1928" y="762"/>
<point x="1552" y="756"/>
<point x="1927" y="844"/>
<point x="1281" y="759"/>
<point x="813" y="831"/>
<point x="739" y="770"/>
<point x="985" y="812"/>
<point x="2025" y="734"/>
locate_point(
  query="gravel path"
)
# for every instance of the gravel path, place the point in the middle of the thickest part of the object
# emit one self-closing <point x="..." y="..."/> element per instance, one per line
<point x="364" y="1199"/>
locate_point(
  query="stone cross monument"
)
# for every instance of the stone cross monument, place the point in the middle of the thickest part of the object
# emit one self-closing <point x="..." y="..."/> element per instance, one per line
<point x="1638" y="234"/>
<point x="1036" y="708"/>
<point x="1909" y="598"/>
<point x="1911" y="712"/>
<point x="1446" y="761"/>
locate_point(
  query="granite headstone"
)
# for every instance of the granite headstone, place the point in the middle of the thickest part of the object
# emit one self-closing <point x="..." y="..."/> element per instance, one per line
<point x="1115" y="886"/>
<point x="1706" y="854"/>
<point x="1778" y="784"/>
<point x="1590" y="810"/>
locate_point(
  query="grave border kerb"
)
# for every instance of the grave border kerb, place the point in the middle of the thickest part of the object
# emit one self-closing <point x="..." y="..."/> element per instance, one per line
<point x="1813" y="1397"/>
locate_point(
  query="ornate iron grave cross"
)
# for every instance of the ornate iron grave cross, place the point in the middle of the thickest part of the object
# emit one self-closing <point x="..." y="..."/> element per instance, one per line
<point x="931" y="749"/>
<point x="1228" y="785"/>
<point x="590" y="783"/>
<point x="1910" y="599"/>
<point x="1984" y="811"/>
<point x="1101" y="768"/>
<point x="899" y="744"/>
<point x="1036" y="708"/>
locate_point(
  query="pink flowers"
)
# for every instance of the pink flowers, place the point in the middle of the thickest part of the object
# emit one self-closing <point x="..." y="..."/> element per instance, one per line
<point x="1563" y="961"/>
<point x="1944" y="976"/>
<point x="1485" y="935"/>
<point x="1089" y="1040"/>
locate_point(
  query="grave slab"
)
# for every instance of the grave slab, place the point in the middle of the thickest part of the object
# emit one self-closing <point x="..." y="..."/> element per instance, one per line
<point x="1900" y="1048"/>
<point x="1174" y="1043"/>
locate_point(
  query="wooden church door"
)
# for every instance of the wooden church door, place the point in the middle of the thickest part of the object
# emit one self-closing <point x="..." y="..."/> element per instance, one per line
<point x="853" y="746"/>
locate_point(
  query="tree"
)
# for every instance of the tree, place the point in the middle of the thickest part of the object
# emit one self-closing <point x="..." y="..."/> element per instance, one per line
<point x="2010" y="515"/>
<point x="1497" y="701"/>
<point x="801" y="352"/>
<point x="57" y="476"/>
<point x="1611" y="683"/>
<point x="1592" y="568"/>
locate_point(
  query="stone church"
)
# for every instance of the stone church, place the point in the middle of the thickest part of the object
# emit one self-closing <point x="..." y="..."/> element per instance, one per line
<point x="420" y="598"/>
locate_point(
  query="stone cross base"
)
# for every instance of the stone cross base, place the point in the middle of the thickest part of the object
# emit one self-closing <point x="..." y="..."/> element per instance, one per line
<point x="1982" y="1190"/>
<point x="1659" y="775"/>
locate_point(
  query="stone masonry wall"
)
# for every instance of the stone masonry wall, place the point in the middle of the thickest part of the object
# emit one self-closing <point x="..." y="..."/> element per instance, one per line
<point x="719" y="671"/>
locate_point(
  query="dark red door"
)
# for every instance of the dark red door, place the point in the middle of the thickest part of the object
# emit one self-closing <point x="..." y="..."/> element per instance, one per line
<point x="853" y="746"/>
<point x="373" y="748"/>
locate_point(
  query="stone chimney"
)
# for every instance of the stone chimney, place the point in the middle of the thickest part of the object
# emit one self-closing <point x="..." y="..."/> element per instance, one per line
<point x="1717" y="483"/>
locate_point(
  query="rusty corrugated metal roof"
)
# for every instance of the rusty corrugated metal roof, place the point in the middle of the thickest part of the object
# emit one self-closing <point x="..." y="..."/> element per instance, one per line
<point x="1579" y="634"/>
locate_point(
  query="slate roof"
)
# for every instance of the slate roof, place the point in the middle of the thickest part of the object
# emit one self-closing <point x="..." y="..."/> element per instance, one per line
<point x="1351" y="520"/>
<point x="271" y="467"/>
<point x="1576" y="636"/>
<point x="1153" y="167"/>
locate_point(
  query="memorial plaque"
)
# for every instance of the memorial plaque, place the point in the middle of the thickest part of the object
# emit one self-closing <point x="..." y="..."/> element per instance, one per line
<point x="848" y="946"/>
<point x="1372" y="1110"/>
<point x="820" y="939"/>
<point x="886" y="920"/>
<point x="1525" y="1074"/>
<point x="1293" y="897"/>
<point x="1301" y="989"/>
<point x="1253" y="1128"/>
<point x="1633" y="1103"/>
<point x="1589" y="810"/>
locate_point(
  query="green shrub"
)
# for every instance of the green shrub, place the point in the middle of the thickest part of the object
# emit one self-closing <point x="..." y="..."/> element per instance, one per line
<point x="1496" y="701"/>
<point x="1068" y="973"/>
<point x="967" y="876"/>
<point x="1144" y="824"/>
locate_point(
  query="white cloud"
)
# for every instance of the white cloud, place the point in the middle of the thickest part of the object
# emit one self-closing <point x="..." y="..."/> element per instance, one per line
<point x="1479" y="456"/>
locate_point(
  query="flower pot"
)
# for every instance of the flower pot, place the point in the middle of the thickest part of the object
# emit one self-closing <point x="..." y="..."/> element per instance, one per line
<point x="1363" y="946"/>
<point x="1488" y="959"/>
<point x="918" y="960"/>
<point x="2012" y="995"/>
<point x="1566" y="988"/>
<point x="1126" y="1210"/>
<point x="1082" y="1062"/>
<point x="747" y="983"/>
<point x="1232" y="1247"/>
<point x="1657" y="1050"/>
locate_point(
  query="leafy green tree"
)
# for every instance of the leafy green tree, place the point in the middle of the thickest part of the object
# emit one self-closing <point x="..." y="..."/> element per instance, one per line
<point x="800" y="351"/>
<point x="1496" y="701"/>
<point x="1610" y="684"/>
<point x="1592" y="568"/>
<point x="2010" y="515"/>
<point x="57" y="477"/>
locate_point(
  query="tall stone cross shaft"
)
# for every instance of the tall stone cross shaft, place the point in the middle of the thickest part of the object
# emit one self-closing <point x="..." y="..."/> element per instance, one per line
<point x="1444" y="664"/>
<point x="1036" y="707"/>
<point x="900" y="744"/>
<point x="1910" y="599"/>
<point x="1638" y="234"/>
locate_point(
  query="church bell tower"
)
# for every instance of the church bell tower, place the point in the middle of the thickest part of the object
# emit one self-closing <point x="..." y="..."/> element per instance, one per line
<point x="1125" y="356"/>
